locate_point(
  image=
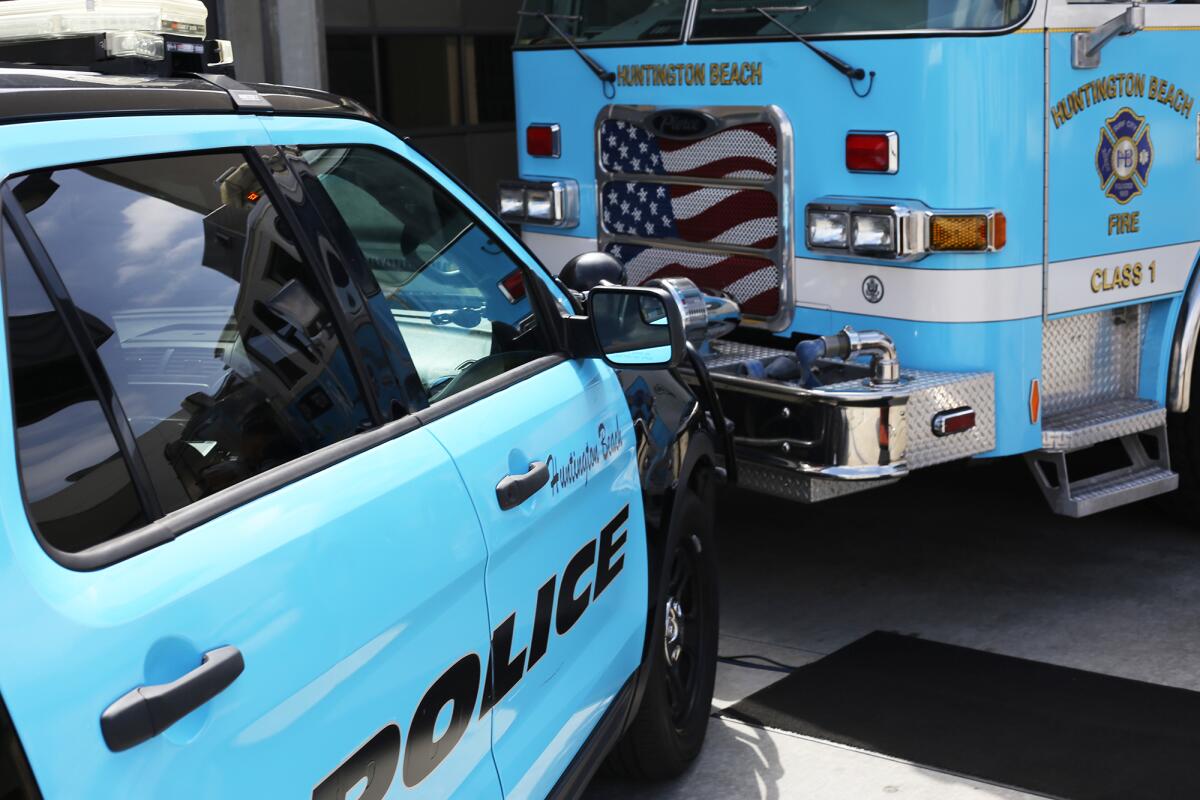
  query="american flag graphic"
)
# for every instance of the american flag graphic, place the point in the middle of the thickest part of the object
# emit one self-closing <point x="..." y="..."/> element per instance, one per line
<point x="748" y="152"/>
<point x="749" y="218"/>
<point x="745" y="216"/>
<point x="753" y="282"/>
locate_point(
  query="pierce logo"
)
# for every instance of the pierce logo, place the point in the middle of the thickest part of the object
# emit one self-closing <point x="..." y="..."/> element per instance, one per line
<point x="1124" y="156"/>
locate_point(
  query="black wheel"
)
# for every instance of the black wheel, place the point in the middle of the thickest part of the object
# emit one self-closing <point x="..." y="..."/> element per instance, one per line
<point x="671" y="723"/>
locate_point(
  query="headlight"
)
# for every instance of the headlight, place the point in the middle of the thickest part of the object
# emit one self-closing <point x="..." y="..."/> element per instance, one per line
<point x="551" y="203"/>
<point x="874" y="233"/>
<point x="539" y="205"/>
<point x="828" y="228"/>
<point x="512" y="201"/>
<point x="900" y="230"/>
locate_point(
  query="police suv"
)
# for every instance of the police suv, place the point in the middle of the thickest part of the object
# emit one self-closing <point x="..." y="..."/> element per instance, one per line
<point x="314" y="483"/>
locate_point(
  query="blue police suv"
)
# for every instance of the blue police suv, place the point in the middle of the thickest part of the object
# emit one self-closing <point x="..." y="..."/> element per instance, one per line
<point x="313" y="481"/>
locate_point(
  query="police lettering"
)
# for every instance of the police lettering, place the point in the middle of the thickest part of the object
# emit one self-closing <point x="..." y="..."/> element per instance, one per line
<point x="459" y="687"/>
<point x="1123" y="277"/>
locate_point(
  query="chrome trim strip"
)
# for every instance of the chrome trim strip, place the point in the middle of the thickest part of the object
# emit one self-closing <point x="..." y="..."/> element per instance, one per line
<point x="1183" y="351"/>
<point x="781" y="186"/>
<point x="687" y="247"/>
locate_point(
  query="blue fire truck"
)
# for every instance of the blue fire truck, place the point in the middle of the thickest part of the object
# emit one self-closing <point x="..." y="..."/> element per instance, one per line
<point x="991" y="200"/>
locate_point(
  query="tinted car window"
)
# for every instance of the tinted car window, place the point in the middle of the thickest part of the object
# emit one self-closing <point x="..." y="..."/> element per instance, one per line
<point x="222" y="348"/>
<point x="76" y="482"/>
<point x="457" y="296"/>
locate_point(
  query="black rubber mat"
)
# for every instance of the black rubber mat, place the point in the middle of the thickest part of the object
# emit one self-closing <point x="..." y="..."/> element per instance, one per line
<point x="1033" y="726"/>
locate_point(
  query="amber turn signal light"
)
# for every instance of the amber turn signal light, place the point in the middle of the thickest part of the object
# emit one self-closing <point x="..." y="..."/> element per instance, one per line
<point x="967" y="233"/>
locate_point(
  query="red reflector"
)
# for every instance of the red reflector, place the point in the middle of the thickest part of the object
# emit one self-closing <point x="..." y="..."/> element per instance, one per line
<point x="948" y="423"/>
<point x="871" y="152"/>
<point x="513" y="287"/>
<point x="542" y="141"/>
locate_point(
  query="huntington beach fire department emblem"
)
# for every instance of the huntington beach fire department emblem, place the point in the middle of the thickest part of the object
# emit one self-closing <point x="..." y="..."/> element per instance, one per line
<point x="1124" y="156"/>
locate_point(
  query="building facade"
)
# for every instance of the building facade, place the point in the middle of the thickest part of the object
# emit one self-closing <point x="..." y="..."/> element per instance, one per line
<point x="440" y="72"/>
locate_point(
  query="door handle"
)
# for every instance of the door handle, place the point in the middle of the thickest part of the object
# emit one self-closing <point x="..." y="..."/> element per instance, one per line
<point x="516" y="489"/>
<point x="147" y="711"/>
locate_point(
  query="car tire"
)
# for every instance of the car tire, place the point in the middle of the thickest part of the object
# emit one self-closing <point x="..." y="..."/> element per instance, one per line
<point x="669" y="729"/>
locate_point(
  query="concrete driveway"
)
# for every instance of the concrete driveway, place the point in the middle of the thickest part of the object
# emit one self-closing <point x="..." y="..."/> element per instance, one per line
<point x="964" y="554"/>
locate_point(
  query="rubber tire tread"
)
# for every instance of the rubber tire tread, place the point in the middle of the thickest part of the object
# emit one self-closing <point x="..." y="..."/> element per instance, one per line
<point x="652" y="749"/>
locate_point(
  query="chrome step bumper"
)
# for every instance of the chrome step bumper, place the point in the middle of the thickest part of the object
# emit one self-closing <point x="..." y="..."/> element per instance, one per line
<point x="813" y="444"/>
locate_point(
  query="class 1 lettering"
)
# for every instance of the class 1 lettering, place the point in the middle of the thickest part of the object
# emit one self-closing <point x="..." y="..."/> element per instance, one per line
<point x="1126" y="276"/>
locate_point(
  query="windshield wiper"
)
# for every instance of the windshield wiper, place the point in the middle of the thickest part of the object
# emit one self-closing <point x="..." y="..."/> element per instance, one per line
<point x="606" y="77"/>
<point x="852" y="73"/>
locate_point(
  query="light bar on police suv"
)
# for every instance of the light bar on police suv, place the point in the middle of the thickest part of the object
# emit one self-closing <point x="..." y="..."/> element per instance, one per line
<point x="48" y="19"/>
<point x="900" y="230"/>
<point x="553" y="203"/>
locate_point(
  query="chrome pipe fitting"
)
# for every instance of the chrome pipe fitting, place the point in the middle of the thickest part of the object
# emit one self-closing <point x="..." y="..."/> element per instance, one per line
<point x="885" y="364"/>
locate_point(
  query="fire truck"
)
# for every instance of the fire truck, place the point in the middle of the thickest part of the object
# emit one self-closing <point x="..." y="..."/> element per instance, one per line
<point x="955" y="229"/>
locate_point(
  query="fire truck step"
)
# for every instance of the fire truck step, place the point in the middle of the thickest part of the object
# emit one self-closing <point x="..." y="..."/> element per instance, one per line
<point x="1075" y="430"/>
<point x="1143" y="472"/>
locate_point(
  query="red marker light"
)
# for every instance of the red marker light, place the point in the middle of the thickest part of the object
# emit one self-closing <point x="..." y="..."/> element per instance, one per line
<point x="513" y="286"/>
<point x="872" y="152"/>
<point x="959" y="420"/>
<point x="543" y="141"/>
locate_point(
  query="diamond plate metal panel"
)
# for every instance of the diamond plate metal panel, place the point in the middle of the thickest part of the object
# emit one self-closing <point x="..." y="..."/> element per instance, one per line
<point x="1090" y="358"/>
<point x="1084" y="427"/>
<point x="728" y="354"/>
<point x="930" y="397"/>
<point x="798" y="487"/>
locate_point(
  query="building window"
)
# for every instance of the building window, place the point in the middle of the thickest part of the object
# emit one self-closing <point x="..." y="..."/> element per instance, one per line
<point x="426" y="82"/>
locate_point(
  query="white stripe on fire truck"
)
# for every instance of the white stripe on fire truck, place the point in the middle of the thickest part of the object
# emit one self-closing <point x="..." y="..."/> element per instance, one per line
<point x="924" y="295"/>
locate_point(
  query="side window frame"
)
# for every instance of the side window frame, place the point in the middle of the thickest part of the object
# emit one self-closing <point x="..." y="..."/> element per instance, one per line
<point x="546" y="311"/>
<point x="164" y="528"/>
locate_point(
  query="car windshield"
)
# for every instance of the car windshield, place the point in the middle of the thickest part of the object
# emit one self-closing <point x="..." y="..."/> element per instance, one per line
<point x="596" y="21"/>
<point x="729" y="19"/>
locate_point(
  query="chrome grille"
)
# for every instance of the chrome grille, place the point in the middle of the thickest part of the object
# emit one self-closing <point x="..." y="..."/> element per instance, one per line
<point x="714" y="207"/>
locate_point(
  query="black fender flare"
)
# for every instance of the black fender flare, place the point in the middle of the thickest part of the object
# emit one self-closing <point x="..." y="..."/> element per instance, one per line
<point x="697" y="473"/>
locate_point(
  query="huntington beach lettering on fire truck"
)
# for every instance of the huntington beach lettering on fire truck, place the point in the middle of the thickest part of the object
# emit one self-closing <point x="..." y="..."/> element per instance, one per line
<point x="1119" y="86"/>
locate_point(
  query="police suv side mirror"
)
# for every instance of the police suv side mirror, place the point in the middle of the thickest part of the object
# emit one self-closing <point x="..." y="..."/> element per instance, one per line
<point x="637" y="328"/>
